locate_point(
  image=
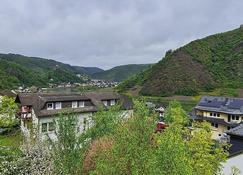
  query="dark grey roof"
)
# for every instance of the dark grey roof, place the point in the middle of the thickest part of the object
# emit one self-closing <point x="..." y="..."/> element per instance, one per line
<point x="237" y="131"/>
<point x="221" y="104"/>
<point x="7" y="93"/>
<point x="236" y="140"/>
<point x="214" y="120"/>
<point x="38" y="101"/>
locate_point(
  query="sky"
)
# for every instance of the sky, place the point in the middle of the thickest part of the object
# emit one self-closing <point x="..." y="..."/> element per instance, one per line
<point x="108" y="33"/>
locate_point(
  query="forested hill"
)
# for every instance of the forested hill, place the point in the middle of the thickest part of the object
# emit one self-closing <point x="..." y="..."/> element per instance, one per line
<point x="202" y="65"/>
<point x="121" y="73"/>
<point x="16" y="70"/>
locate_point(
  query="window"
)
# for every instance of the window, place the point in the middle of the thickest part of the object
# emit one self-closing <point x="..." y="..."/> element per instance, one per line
<point x="218" y="115"/>
<point x="113" y="102"/>
<point x="105" y="103"/>
<point x="214" y="114"/>
<point x="85" y="123"/>
<point x="44" y="127"/>
<point x="51" y="126"/>
<point x="81" y="104"/>
<point x="58" y="105"/>
<point x="211" y="114"/>
<point x="237" y="117"/>
<point x="215" y="125"/>
<point x="233" y="117"/>
<point x="49" y="106"/>
<point x="74" y="104"/>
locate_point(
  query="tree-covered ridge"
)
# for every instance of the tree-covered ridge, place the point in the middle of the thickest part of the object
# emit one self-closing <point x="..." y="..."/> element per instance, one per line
<point x="202" y="65"/>
<point x="18" y="70"/>
<point x="121" y="73"/>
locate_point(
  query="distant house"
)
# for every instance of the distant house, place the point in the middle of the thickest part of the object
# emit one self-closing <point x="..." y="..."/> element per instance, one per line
<point x="236" y="150"/>
<point x="41" y="109"/>
<point x="224" y="113"/>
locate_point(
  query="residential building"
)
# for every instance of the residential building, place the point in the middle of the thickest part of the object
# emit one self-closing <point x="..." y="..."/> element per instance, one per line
<point x="223" y="113"/>
<point x="40" y="109"/>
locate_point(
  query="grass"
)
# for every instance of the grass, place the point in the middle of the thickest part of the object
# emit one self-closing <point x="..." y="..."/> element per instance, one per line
<point x="12" y="140"/>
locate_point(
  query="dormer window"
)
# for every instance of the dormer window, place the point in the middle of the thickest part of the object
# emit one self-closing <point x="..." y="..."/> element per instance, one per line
<point x="74" y="104"/>
<point x="81" y="104"/>
<point x="50" y="106"/>
<point x="105" y="103"/>
<point x="113" y="102"/>
<point x="58" y="105"/>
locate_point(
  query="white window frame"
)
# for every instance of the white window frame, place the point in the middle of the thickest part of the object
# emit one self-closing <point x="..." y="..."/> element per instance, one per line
<point x="51" y="107"/>
<point x="59" y="106"/>
<point x="113" y="102"/>
<point x="74" y="104"/>
<point x="82" y="104"/>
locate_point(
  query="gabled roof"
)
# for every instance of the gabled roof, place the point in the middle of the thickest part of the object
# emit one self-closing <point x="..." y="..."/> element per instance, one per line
<point x="221" y="104"/>
<point x="38" y="101"/>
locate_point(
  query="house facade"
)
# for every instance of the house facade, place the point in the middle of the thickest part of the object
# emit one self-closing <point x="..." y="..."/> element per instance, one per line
<point x="40" y="109"/>
<point x="224" y="113"/>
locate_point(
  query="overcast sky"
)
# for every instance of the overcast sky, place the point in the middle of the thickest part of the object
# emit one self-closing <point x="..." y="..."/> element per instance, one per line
<point x="107" y="33"/>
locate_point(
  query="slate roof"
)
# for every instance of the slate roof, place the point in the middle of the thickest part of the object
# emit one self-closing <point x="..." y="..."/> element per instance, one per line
<point x="7" y="93"/>
<point x="236" y="140"/>
<point x="221" y="104"/>
<point x="237" y="131"/>
<point x="38" y="101"/>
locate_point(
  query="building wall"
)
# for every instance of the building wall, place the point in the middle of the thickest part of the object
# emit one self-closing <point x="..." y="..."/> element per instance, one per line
<point x="222" y="116"/>
<point x="216" y="132"/>
<point x="81" y="126"/>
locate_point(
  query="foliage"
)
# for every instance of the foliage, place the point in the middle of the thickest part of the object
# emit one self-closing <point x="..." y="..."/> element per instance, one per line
<point x="131" y="148"/>
<point x="35" y="159"/>
<point x="202" y="65"/>
<point x="137" y="150"/>
<point x="104" y="122"/>
<point x="8" y="110"/>
<point x="175" y="114"/>
<point x="68" y="149"/>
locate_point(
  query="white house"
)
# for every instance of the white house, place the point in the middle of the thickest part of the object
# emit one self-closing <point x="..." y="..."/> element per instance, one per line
<point x="39" y="110"/>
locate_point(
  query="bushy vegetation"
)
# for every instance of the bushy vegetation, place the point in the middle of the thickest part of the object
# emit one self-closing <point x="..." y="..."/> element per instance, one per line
<point x="202" y="65"/>
<point x="116" y="144"/>
<point x="8" y="109"/>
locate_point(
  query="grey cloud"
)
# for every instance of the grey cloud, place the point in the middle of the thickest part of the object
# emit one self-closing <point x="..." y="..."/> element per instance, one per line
<point x="107" y="33"/>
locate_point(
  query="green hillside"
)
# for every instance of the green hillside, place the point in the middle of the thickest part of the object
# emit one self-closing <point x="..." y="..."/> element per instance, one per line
<point x="121" y="73"/>
<point x="19" y="70"/>
<point x="87" y="70"/>
<point x="202" y="65"/>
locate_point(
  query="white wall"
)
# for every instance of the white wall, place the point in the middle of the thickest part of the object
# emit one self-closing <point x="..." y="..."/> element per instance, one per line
<point x="236" y="161"/>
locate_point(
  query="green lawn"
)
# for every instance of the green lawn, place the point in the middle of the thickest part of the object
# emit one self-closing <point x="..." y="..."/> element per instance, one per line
<point x="12" y="140"/>
<point x="10" y="145"/>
